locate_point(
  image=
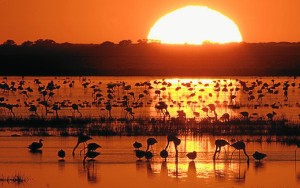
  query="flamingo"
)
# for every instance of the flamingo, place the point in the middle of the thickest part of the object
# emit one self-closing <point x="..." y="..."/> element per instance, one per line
<point x="36" y="145"/>
<point x="137" y="145"/>
<point x="150" y="142"/>
<point x="240" y="145"/>
<point x="92" y="147"/>
<point x="259" y="156"/>
<point x="164" y="154"/>
<point x="192" y="155"/>
<point x="219" y="143"/>
<point x="139" y="154"/>
<point x="91" y="154"/>
<point x="81" y="139"/>
<point x="61" y="153"/>
<point x="148" y="155"/>
<point x="171" y="137"/>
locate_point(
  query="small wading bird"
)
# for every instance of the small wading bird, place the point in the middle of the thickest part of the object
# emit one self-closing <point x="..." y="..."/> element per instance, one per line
<point x="61" y="153"/>
<point x="239" y="145"/>
<point x="258" y="156"/>
<point x="192" y="155"/>
<point x="219" y="144"/>
<point x="36" y="145"/>
<point x="81" y="139"/>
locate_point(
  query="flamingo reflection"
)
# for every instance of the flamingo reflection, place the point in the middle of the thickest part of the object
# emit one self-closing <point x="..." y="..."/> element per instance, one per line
<point x="164" y="168"/>
<point x="192" y="170"/>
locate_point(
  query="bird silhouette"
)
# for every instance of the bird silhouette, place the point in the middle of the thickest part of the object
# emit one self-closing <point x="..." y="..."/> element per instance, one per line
<point x="170" y="138"/>
<point x="240" y="145"/>
<point x="93" y="146"/>
<point x="192" y="155"/>
<point x="82" y="138"/>
<point x="61" y="153"/>
<point x="36" y="145"/>
<point x="148" y="155"/>
<point x="91" y="155"/>
<point x="137" y="145"/>
<point x="259" y="156"/>
<point x="219" y="143"/>
<point x="164" y="154"/>
<point x="139" y="154"/>
<point x="150" y="142"/>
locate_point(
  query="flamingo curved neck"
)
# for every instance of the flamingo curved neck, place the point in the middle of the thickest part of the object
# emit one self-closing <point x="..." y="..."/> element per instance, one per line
<point x="73" y="153"/>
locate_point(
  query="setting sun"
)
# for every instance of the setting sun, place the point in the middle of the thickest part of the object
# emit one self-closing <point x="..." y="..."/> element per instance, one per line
<point x="194" y="25"/>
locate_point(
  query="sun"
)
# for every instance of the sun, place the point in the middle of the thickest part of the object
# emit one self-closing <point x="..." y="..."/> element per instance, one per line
<point x="194" y="25"/>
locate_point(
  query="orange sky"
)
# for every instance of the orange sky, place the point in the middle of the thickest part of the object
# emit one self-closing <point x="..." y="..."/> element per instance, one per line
<point x="96" y="21"/>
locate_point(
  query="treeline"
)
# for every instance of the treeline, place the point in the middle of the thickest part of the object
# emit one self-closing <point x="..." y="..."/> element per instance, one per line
<point x="46" y="57"/>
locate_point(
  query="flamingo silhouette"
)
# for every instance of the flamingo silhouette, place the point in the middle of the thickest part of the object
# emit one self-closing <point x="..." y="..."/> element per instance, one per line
<point x="148" y="155"/>
<point x="240" y="145"/>
<point x="164" y="154"/>
<point x="92" y="147"/>
<point x="170" y="138"/>
<point x="139" y="154"/>
<point x="137" y="145"/>
<point x="91" y="155"/>
<point x="219" y="143"/>
<point x="81" y="139"/>
<point x="150" y="142"/>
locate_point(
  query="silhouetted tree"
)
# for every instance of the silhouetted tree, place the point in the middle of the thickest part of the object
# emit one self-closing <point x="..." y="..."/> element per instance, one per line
<point x="142" y="41"/>
<point x="107" y="43"/>
<point x="27" y="43"/>
<point x="125" y="42"/>
<point x="9" y="42"/>
<point x="44" y="43"/>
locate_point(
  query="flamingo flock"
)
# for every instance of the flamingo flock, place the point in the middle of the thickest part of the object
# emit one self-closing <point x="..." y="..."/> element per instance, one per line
<point x="213" y="100"/>
<point x="148" y="154"/>
<point x="219" y="143"/>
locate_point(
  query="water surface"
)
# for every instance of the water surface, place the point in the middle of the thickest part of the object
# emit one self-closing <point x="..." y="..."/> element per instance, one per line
<point x="117" y="165"/>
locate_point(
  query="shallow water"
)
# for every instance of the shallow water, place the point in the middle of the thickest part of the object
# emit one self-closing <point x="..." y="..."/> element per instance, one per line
<point x="188" y="94"/>
<point x="117" y="165"/>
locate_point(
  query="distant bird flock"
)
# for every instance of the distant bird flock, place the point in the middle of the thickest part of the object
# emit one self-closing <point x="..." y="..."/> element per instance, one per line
<point x="212" y="100"/>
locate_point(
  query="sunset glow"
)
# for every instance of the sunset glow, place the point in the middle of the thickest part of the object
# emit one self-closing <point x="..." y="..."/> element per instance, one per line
<point x="194" y="25"/>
